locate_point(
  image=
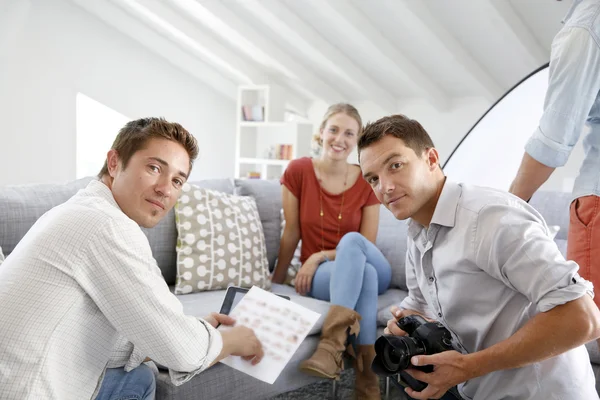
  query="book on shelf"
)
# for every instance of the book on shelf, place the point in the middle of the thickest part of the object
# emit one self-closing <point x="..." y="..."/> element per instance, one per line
<point x="253" y="175"/>
<point x="285" y="152"/>
<point x="253" y="113"/>
<point x="280" y="152"/>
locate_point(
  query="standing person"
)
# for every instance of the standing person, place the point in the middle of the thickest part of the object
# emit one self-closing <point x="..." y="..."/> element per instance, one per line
<point x="572" y="101"/>
<point x="330" y="207"/>
<point x="82" y="283"/>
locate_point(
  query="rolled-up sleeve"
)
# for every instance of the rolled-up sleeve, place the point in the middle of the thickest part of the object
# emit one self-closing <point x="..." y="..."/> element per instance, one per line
<point x="514" y="246"/>
<point x="573" y="85"/>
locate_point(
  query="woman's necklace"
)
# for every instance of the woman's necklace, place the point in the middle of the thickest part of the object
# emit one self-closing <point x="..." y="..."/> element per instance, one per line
<point x="321" y="213"/>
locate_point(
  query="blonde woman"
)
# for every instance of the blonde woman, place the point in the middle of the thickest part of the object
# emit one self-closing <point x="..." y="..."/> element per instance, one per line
<point x="328" y="205"/>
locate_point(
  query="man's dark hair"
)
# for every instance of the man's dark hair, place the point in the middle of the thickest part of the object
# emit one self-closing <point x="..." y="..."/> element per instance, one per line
<point x="410" y="131"/>
<point x="135" y="134"/>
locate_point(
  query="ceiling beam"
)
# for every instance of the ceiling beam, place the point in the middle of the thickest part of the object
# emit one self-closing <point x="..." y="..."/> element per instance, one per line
<point x="416" y="17"/>
<point x="116" y="17"/>
<point x="183" y="33"/>
<point x="509" y="25"/>
<point x="187" y="35"/>
<point x="309" y="44"/>
<point x="217" y="16"/>
<point x="354" y="24"/>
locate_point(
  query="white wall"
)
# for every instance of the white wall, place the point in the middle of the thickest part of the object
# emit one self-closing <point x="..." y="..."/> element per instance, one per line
<point x="54" y="50"/>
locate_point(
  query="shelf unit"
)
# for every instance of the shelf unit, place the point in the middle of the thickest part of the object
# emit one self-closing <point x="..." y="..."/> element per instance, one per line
<point x="258" y="141"/>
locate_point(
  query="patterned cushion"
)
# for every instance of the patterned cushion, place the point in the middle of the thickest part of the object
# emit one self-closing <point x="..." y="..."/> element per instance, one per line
<point x="163" y="237"/>
<point x="220" y="242"/>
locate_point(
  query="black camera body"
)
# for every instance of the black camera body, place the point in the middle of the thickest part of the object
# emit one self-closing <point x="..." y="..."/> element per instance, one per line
<point x="393" y="353"/>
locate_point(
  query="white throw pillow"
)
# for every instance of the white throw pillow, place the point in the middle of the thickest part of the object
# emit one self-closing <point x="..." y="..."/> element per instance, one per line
<point x="220" y="242"/>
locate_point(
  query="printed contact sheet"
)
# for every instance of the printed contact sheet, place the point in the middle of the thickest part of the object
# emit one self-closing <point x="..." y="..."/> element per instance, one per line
<point x="279" y="324"/>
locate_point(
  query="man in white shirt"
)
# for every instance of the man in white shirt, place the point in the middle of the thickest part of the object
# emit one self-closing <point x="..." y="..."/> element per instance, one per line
<point x="481" y="262"/>
<point x="83" y="302"/>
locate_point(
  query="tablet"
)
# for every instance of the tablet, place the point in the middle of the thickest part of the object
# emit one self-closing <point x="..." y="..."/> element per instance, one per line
<point x="234" y="295"/>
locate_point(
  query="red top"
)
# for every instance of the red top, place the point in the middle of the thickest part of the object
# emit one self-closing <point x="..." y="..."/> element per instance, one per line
<point x="300" y="178"/>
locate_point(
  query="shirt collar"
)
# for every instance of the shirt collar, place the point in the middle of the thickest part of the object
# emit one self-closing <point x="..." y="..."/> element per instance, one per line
<point x="445" y="209"/>
<point x="99" y="188"/>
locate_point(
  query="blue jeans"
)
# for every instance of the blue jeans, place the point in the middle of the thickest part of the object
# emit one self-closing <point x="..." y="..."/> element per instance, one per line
<point x="138" y="384"/>
<point x="358" y="275"/>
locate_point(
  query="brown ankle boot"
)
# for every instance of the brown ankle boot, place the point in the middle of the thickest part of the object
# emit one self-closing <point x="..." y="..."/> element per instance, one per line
<point x="326" y="362"/>
<point x="366" y="386"/>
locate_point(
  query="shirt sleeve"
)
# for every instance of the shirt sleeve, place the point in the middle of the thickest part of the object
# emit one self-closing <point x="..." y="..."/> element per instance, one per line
<point x="512" y="243"/>
<point x="292" y="177"/>
<point x="573" y="85"/>
<point x="120" y="275"/>
<point x="121" y="353"/>
<point x="415" y="299"/>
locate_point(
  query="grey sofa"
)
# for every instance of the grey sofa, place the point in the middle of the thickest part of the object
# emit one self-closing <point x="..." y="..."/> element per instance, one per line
<point x="20" y="206"/>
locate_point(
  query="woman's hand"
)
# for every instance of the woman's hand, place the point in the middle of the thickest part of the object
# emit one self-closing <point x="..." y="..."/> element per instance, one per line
<point x="306" y="273"/>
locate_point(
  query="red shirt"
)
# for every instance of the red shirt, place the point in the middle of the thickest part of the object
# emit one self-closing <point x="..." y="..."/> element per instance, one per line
<point x="300" y="178"/>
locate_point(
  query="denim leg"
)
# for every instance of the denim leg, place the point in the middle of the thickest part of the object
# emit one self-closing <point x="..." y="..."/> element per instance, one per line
<point x="138" y="384"/>
<point x="366" y="306"/>
<point x="319" y="288"/>
<point x="358" y="275"/>
<point x="352" y="255"/>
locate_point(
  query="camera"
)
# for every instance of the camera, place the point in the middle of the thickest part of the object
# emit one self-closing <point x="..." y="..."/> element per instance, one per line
<point x="393" y="353"/>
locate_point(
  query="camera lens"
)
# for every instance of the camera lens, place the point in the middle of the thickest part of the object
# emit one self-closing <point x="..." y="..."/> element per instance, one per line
<point x="395" y="352"/>
<point x="391" y="360"/>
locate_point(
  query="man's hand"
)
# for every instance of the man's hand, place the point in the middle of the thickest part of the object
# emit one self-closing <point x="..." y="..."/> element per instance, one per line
<point x="215" y="319"/>
<point x="449" y="369"/>
<point x="397" y="314"/>
<point x="241" y="341"/>
<point x="237" y="341"/>
<point x="306" y="273"/>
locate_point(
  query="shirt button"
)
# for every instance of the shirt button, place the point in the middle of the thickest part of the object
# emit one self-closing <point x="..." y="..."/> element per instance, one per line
<point x="440" y="314"/>
<point x="431" y="279"/>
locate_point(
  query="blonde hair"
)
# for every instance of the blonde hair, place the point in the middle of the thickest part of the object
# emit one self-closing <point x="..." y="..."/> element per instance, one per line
<point x="334" y="109"/>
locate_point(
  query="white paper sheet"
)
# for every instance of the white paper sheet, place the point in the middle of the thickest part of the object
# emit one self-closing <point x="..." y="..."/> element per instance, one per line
<point x="279" y="324"/>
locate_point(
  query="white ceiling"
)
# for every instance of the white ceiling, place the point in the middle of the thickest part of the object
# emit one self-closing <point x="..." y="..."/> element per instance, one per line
<point x="383" y="51"/>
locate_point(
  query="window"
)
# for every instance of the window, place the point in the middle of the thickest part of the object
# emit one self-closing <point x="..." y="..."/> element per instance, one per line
<point x="97" y="126"/>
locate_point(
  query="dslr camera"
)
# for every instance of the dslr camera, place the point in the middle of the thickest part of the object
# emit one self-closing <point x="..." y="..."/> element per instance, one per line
<point x="393" y="353"/>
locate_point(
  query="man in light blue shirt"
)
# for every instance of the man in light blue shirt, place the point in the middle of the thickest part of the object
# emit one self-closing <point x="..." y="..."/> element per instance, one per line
<point x="482" y="262"/>
<point x="572" y="103"/>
